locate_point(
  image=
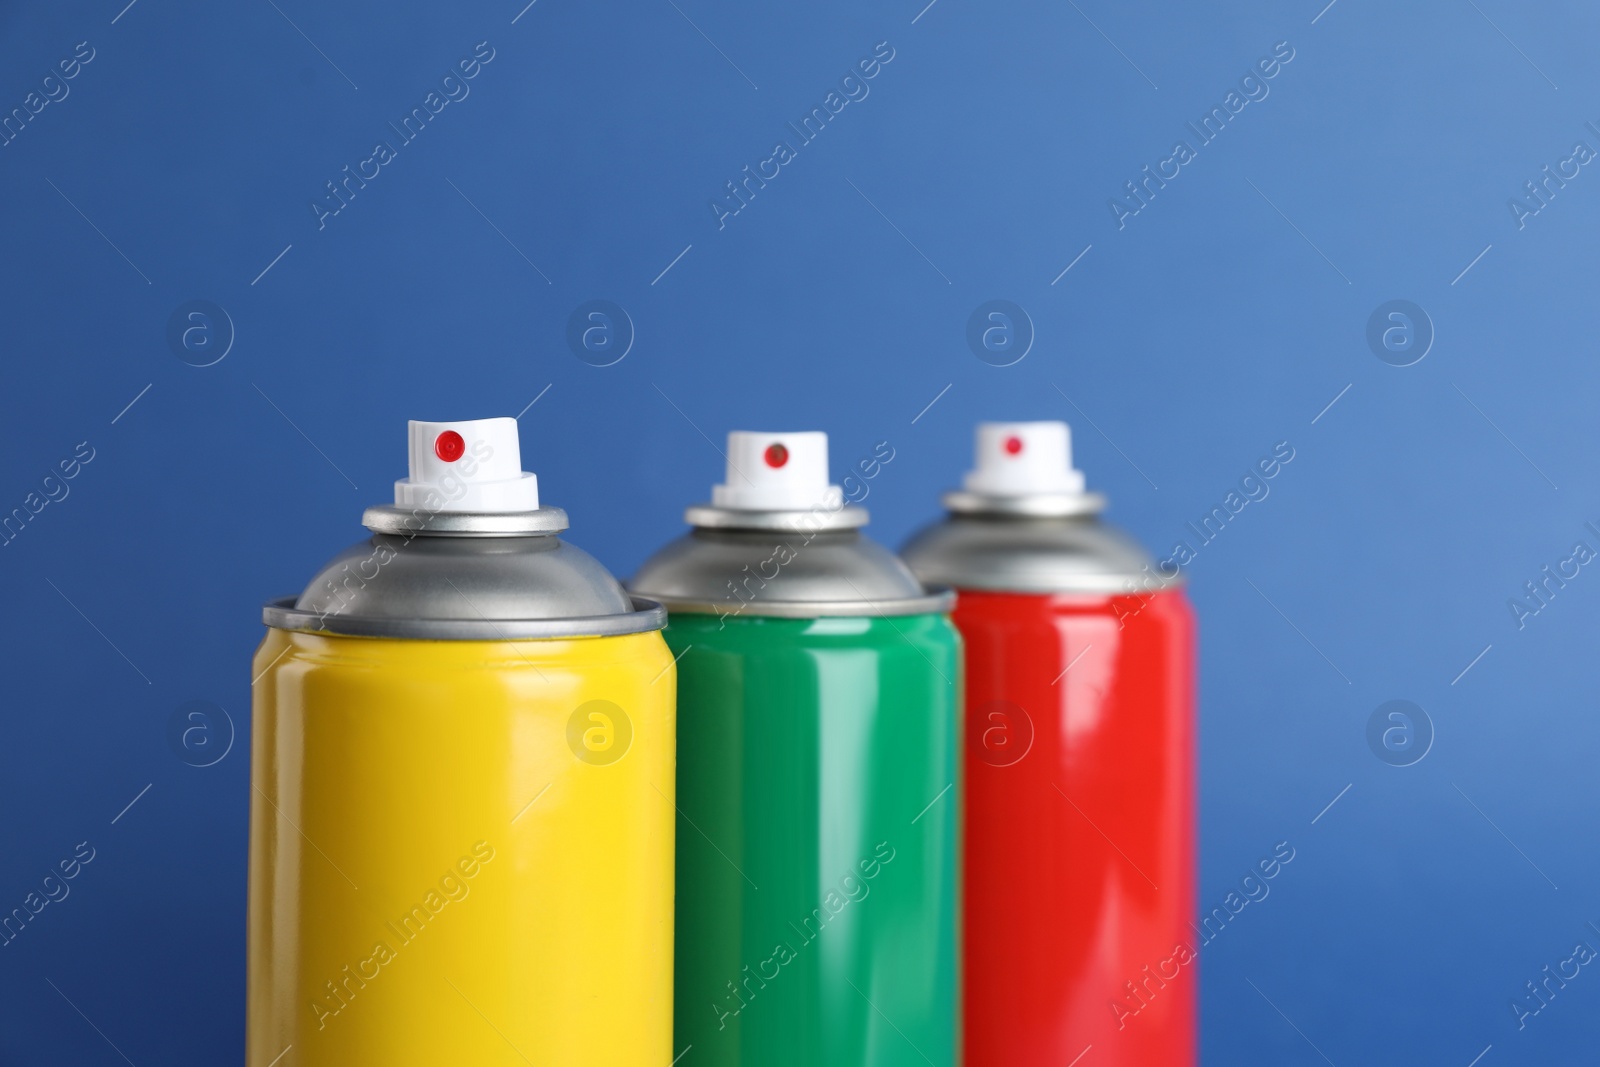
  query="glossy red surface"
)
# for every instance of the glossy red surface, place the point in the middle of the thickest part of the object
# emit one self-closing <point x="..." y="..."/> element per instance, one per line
<point x="1080" y="831"/>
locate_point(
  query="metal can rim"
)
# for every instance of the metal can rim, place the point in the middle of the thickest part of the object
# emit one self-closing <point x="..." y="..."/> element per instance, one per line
<point x="939" y="600"/>
<point x="389" y="519"/>
<point x="1087" y="585"/>
<point x="1031" y="505"/>
<point x="711" y="517"/>
<point x="647" y="615"/>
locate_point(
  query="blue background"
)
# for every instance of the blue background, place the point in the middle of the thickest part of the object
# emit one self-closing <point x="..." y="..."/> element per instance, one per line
<point x="1195" y="338"/>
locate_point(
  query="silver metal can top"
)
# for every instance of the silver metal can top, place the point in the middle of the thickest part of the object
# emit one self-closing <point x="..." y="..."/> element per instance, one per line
<point x="778" y="541"/>
<point x="1001" y="552"/>
<point x="783" y="573"/>
<point x="1023" y="524"/>
<point x="431" y="571"/>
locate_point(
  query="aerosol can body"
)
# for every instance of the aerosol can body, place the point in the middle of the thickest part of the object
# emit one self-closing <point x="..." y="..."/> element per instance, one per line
<point x="461" y="826"/>
<point x="1080" y="859"/>
<point x="818" y="777"/>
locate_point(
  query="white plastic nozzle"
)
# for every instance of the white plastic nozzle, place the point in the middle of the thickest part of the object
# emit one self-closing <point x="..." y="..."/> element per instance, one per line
<point x="1023" y="458"/>
<point x="777" y="472"/>
<point x="467" y="466"/>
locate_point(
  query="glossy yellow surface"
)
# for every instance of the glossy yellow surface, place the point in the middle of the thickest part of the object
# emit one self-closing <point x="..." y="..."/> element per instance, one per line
<point x="450" y="862"/>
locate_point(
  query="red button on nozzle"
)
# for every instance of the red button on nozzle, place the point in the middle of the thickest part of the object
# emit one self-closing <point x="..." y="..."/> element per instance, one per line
<point x="449" y="446"/>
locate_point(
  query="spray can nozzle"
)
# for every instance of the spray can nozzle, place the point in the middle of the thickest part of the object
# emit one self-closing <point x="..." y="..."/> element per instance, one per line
<point x="1023" y="458"/>
<point x="777" y="472"/>
<point x="471" y="466"/>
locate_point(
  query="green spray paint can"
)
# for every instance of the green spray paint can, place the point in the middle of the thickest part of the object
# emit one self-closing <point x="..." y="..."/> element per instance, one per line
<point x="819" y="792"/>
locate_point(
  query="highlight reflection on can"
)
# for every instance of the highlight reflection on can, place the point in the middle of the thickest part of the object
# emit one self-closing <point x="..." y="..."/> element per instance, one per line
<point x="461" y="828"/>
<point x="1079" y="870"/>
<point x="818" y="776"/>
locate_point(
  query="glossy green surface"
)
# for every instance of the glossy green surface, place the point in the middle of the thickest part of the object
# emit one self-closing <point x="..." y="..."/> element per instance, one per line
<point x="818" y="786"/>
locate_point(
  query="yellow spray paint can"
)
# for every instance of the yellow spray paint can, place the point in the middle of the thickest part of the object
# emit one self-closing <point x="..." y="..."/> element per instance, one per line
<point x="462" y="768"/>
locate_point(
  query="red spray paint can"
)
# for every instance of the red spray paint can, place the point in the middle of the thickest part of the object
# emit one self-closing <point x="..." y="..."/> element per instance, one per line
<point x="1080" y="820"/>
